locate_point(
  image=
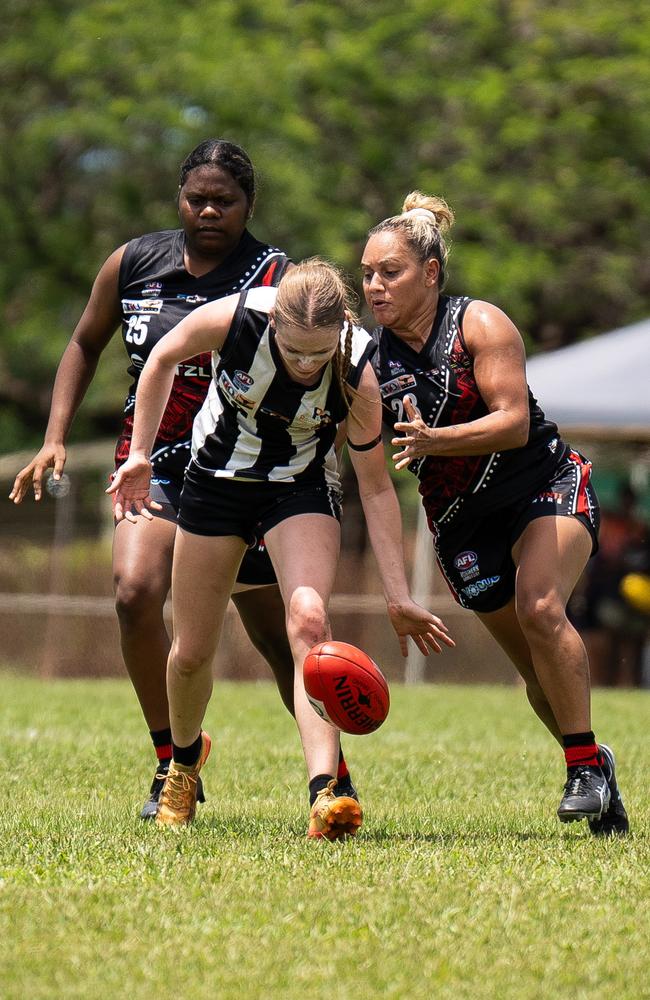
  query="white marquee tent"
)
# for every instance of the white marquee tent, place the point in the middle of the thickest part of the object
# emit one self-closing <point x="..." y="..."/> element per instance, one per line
<point x="599" y="387"/>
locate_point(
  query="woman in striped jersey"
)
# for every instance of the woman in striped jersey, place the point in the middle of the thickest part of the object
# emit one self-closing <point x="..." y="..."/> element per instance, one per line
<point x="289" y="366"/>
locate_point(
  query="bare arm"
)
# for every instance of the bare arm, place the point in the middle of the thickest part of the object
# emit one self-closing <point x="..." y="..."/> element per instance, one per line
<point x="205" y="329"/>
<point x="384" y="520"/>
<point x="500" y="371"/>
<point x="77" y="366"/>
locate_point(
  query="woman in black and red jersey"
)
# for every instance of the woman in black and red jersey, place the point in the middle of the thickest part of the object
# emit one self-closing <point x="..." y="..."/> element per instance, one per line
<point x="513" y="516"/>
<point x="148" y="286"/>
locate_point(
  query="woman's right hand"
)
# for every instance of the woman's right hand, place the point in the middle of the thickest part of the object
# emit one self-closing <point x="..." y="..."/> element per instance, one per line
<point x="130" y="489"/>
<point x="51" y="456"/>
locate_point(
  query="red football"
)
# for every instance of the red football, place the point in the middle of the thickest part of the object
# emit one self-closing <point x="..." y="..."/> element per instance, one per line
<point x="345" y="687"/>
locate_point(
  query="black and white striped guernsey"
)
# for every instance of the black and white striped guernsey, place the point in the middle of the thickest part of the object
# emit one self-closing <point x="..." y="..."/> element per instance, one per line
<point x="257" y="423"/>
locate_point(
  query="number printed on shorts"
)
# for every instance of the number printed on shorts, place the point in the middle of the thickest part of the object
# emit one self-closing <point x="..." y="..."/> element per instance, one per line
<point x="136" y="332"/>
<point x="398" y="406"/>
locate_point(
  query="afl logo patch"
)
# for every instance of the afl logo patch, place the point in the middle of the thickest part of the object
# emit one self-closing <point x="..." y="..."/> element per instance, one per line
<point x="465" y="560"/>
<point x="242" y="380"/>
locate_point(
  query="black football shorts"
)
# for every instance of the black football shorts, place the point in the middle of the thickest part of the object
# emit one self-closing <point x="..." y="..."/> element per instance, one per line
<point x="474" y="553"/>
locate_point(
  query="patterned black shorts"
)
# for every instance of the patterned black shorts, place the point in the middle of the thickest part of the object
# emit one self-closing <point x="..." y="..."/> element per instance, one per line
<point x="474" y="553"/>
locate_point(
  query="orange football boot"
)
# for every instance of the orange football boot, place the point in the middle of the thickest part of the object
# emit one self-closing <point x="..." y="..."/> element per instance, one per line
<point x="177" y="804"/>
<point x="332" y="817"/>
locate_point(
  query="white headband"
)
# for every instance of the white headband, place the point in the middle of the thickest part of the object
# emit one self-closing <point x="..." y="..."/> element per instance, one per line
<point x="426" y="212"/>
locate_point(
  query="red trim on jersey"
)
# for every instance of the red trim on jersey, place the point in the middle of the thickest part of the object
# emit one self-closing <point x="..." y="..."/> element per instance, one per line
<point x="582" y="502"/>
<point x="268" y="277"/>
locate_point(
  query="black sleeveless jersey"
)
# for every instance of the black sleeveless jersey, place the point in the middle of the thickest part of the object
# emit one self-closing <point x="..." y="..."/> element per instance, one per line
<point x="439" y="381"/>
<point x="257" y="423"/>
<point x="156" y="292"/>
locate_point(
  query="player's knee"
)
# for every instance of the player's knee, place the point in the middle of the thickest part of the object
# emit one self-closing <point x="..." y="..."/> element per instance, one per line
<point x="540" y="615"/>
<point x="307" y="619"/>
<point x="135" y="600"/>
<point x="188" y="659"/>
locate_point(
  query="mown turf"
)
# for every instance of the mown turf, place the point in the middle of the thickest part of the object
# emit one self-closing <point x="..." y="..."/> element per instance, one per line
<point x="461" y="884"/>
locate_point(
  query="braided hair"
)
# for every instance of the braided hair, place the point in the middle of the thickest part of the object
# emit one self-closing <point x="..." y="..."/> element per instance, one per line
<point x="226" y="155"/>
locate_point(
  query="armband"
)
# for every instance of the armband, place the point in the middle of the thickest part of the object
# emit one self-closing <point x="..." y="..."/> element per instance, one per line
<point x="364" y="447"/>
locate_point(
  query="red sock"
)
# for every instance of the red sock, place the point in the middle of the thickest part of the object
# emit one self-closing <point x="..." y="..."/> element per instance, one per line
<point x="581" y="749"/>
<point x="164" y="752"/>
<point x="342" y="771"/>
<point x="162" y="743"/>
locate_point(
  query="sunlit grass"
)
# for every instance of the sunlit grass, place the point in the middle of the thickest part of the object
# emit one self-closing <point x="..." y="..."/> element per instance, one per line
<point x="461" y="884"/>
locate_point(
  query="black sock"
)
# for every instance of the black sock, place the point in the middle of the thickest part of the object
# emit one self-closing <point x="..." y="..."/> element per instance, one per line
<point x="162" y="743"/>
<point x="317" y="784"/>
<point x="188" y="756"/>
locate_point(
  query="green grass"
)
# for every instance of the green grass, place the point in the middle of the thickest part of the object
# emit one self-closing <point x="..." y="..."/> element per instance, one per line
<point x="461" y="884"/>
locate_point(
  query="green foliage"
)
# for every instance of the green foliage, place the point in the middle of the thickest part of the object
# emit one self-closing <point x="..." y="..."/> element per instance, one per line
<point x="461" y="885"/>
<point x="531" y="119"/>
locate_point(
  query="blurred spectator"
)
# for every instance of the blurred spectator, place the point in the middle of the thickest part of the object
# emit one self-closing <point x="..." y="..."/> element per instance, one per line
<point x="611" y="608"/>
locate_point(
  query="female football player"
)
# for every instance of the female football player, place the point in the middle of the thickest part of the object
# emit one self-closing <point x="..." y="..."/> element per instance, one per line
<point x="513" y="515"/>
<point x="289" y="366"/>
<point x="147" y="286"/>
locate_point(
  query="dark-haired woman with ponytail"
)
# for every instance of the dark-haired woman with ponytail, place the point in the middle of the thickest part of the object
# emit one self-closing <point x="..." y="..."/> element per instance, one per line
<point x="510" y="506"/>
<point x="147" y="286"/>
<point x="289" y="366"/>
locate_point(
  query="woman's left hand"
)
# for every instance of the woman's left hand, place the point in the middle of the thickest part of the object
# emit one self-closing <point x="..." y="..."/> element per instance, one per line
<point x="417" y="437"/>
<point x="426" y="630"/>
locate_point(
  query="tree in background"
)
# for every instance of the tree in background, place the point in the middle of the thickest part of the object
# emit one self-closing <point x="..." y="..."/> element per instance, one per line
<point x="531" y="119"/>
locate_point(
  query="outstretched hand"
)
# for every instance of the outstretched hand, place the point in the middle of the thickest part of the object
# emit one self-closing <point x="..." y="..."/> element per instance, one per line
<point x="416" y="440"/>
<point x="130" y="490"/>
<point x="426" y="629"/>
<point x="51" y="456"/>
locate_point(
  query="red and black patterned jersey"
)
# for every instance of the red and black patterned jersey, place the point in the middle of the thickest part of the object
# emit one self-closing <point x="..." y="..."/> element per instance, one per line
<point x="439" y="382"/>
<point x="156" y="293"/>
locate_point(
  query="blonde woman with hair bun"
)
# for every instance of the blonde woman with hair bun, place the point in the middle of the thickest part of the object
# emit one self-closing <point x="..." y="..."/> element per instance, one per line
<point x="289" y="366"/>
<point x="513" y="515"/>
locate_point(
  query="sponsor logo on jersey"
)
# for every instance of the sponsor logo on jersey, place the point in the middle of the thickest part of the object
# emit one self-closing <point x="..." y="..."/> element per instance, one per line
<point x="398" y="385"/>
<point x="317" y="418"/>
<point x="464" y="560"/>
<point x="152" y="289"/>
<point x="243" y="380"/>
<point x="192" y="300"/>
<point x="137" y="361"/>
<point x="150" y="306"/>
<point x="474" y="589"/>
<point x="274" y="413"/>
<point x="193" y="371"/>
<point x="233" y="394"/>
<point x="550" y="496"/>
<point x="322" y="416"/>
<point x="396" y="367"/>
<point x="467" y="565"/>
<point x="552" y="446"/>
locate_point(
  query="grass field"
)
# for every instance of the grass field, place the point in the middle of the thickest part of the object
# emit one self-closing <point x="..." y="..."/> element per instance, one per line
<point x="461" y="884"/>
